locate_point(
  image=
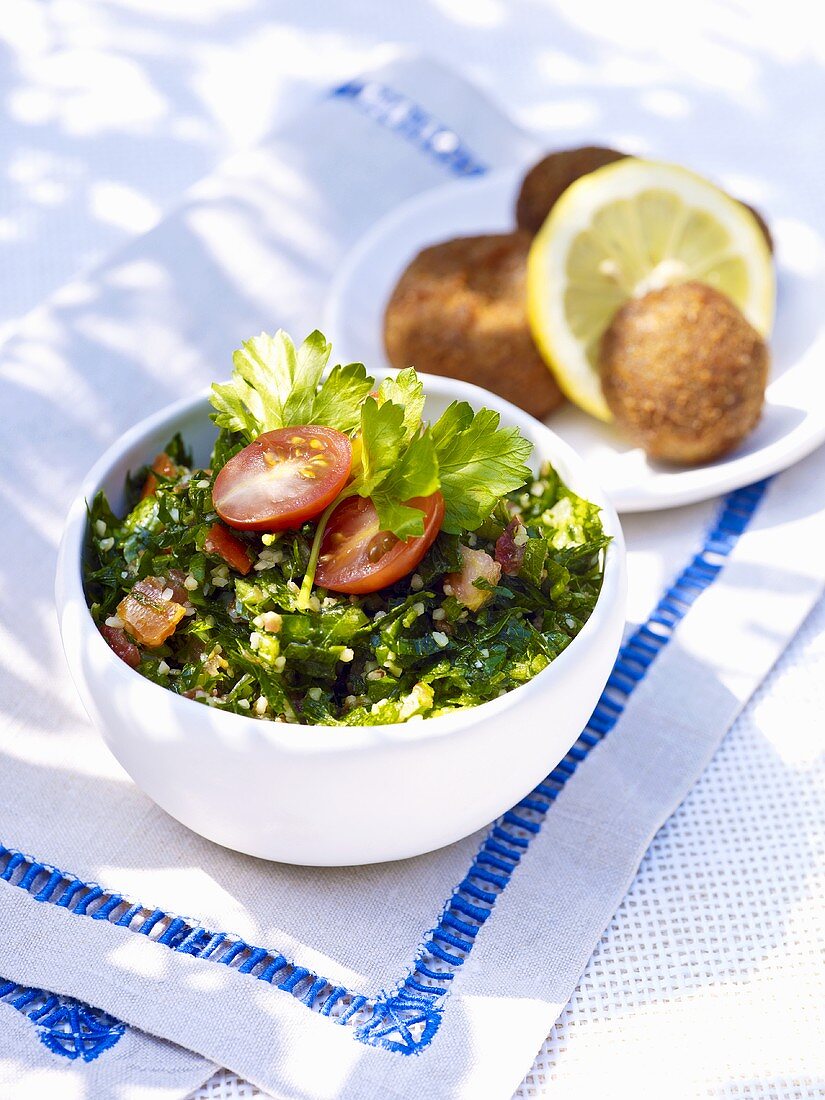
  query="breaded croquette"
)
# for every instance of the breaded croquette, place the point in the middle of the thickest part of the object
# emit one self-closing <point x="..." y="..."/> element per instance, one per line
<point x="546" y="181"/>
<point x="684" y="373"/>
<point x="460" y="310"/>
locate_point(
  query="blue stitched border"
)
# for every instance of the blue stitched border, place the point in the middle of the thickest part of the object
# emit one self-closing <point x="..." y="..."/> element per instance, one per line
<point x="66" y="1026"/>
<point x="403" y="116"/>
<point x="405" y="1019"/>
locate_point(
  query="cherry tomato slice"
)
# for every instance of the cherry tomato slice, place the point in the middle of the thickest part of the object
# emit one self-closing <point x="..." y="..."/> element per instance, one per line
<point x="283" y="479"/>
<point x="221" y="541"/>
<point x="357" y="557"/>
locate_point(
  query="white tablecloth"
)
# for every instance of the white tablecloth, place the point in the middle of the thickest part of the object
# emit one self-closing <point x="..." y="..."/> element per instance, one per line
<point x="112" y="109"/>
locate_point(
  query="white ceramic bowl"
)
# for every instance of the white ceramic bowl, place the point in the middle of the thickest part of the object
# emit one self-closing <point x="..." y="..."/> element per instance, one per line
<point x="323" y="795"/>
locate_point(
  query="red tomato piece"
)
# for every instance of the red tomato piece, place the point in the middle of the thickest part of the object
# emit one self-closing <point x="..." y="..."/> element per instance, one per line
<point x="148" y="614"/>
<point x="357" y="556"/>
<point x="509" y="554"/>
<point x="175" y="580"/>
<point x="221" y="541"/>
<point x="283" y="479"/>
<point x="476" y="565"/>
<point x="119" y="643"/>
<point x="162" y="465"/>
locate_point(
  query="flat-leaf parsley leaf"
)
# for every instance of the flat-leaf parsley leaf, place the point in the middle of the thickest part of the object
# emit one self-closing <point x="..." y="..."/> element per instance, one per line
<point x="275" y="385"/>
<point x="478" y="462"/>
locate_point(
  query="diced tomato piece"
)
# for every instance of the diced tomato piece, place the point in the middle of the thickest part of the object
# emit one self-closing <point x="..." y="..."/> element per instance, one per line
<point x="174" y="580"/>
<point x="148" y="615"/>
<point x="221" y="541"/>
<point x="120" y="644"/>
<point x="475" y="565"/>
<point x="162" y="465"/>
<point x="509" y="554"/>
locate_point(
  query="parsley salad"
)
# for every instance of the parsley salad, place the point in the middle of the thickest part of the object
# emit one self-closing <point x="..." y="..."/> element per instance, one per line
<point x="342" y="561"/>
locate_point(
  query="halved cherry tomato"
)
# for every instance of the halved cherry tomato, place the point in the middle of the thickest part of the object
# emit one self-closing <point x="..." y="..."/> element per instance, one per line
<point x="221" y="541"/>
<point x="162" y="465"/>
<point x="357" y="556"/>
<point x="283" y="479"/>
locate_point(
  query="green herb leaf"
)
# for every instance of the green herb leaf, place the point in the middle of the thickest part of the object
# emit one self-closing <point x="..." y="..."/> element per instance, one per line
<point x="478" y="462"/>
<point x="180" y="454"/>
<point x="393" y="515"/>
<point x="226" y="446"/>
<point x="382" y="440"/>
<point x="394" y="468"/>
<point x="406" y="390"/>
<point x="572" y="521"/>
<point x="276" y="385"/>
<point x="532" y="562"/>
<point x="338" y="401"/>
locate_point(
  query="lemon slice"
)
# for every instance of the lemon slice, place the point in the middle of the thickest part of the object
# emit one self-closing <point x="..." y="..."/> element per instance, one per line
<point x="621" y="231"/>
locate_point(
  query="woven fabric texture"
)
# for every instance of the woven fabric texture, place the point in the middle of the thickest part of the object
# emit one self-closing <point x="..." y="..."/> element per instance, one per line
<point x="719" y="942"/>
<point x="721" y="937"/>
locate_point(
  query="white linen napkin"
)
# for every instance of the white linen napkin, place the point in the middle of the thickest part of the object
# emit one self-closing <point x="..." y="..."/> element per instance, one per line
<point x="331" y="983"/>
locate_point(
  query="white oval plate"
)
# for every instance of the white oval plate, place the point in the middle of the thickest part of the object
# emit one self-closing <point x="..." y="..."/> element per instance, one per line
<point x="793" y="423"/>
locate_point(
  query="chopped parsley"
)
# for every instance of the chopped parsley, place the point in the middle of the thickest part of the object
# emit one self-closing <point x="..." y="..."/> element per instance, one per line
<point x="510" y="580"/>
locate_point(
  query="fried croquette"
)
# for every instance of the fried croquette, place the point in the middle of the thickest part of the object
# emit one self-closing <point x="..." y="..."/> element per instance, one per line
<point x="684" y="373"/>
<point x="460" y="310"/>
<point x="546" y="181"/>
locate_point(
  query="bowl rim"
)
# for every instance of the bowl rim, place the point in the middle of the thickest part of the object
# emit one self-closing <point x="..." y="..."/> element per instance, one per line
<point x="77" y="630"/>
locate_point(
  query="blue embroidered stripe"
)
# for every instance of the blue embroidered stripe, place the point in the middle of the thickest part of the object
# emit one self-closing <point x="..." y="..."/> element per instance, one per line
<point x="532" y="804"/>
<point x="484" y="857"/>
<point x="66" y="1026"/>
<point x="125" y="920"/>
<point x="459" y="925"/>
<point x="445" y="956"/>
<point x="353" y="1008"/>
<point x="400" y="114"/>
<point x="500" y="850"/>
<point x="406" y="1019"/>
<point x="486" y="896"/>
<point x="443" y="936"/>
<point x="500" y="833"/>
<point x="434" y="975"/>
<point x="256" y="956"/>
<point x="335" y="996"/>
<point x="314" y="991"/>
